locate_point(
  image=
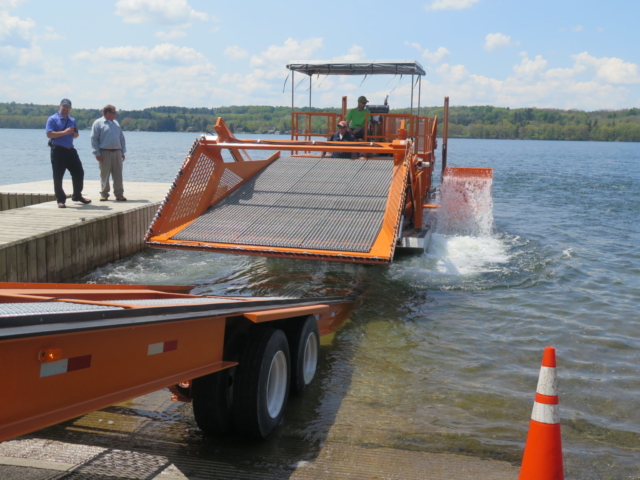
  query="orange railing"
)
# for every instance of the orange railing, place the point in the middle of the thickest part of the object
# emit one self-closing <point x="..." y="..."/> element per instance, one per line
<point x="302" y="122"/>
<point x="384" y="127"/>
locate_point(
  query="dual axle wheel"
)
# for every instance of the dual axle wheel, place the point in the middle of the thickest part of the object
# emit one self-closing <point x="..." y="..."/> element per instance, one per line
<point x="251" y="397"/>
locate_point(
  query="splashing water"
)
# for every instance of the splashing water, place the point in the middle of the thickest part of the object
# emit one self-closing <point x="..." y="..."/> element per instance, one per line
<point x="464" y="243"/>
<point x="467" y="206"/>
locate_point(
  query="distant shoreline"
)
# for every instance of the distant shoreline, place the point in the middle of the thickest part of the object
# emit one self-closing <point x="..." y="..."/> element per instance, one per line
<point x="464" y="122"/>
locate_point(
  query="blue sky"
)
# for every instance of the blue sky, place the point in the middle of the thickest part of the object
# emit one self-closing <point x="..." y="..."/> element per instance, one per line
<point x="581" y="54"/>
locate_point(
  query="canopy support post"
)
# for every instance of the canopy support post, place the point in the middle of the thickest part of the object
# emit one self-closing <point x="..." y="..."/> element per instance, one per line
<point x="412" y="94"/>
<point x="445" y="133"/>
<point x="419" y="93"/>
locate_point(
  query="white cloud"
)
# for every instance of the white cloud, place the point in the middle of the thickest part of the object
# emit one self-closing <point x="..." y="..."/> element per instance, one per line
<point x="50" y="34"/>
<point x="291" y="50"/>
<point x="453" y="73"/>
<point x="19" y="41"/>
<point x="415" y="45"/>
<point x="236" y="52"/>
<point x="15" y="31"/>
<point x="165" y="53"/>
<point x="170" y="35"/>
<point x="30" y="58"/>
<point x="356" y="54"/>
<point x="528" y="67"/>
<point x="450" y="4"/>
<point x="493" y="41"/>
<point x="264" y="83"/>
<point x="437" y="56"/>
<point x="434" y="57"/>
<point x="9" y="4"/>
<point x="533" y="84"/>
<point x="612" y="70"/>
<point x="171" y="12"/>
<point x="577" y="28"/>
<point x="560" y="73"/>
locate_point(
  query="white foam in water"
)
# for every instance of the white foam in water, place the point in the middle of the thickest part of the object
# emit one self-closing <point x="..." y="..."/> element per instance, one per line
<point x="464" y="242"/>
<point x="466" y="255"/>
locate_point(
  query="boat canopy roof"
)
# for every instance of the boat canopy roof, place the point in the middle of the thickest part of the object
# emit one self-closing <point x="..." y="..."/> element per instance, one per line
<point x="365" y="67"/>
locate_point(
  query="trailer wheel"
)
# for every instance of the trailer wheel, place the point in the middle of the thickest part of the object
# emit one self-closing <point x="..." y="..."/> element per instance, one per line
<point x="212" y="399"/>
<point x="261" y="383"/>
<point x="304" y="343"/>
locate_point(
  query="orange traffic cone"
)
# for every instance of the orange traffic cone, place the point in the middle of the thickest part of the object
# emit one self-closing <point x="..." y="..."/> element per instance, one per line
<point x="543" y="451"/>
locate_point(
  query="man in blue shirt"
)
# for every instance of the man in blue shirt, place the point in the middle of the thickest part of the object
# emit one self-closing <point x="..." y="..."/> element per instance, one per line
<point x="62" y="129"/>
<point x="109" y="147"/>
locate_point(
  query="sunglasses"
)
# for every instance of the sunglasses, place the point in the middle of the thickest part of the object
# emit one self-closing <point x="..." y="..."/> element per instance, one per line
<point x="342" y="126"/>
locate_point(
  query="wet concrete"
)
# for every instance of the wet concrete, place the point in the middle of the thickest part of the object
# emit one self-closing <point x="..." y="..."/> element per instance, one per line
<point x="152" y="437"/>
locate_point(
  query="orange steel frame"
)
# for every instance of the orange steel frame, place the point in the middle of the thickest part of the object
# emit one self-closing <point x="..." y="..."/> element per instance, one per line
<point x="298" y="119"/>
<point x="199" y="185"/>
<point x="120" y="365"/>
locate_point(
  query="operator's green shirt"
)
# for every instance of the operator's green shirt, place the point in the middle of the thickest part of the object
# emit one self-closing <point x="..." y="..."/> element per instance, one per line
<point x="355" y="117"/>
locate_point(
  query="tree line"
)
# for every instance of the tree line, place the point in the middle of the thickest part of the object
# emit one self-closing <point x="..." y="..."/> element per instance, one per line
<point x="464" y="122"/>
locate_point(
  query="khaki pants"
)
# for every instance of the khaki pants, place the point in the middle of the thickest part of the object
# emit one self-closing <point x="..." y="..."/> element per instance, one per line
<point x="111" y="164"/>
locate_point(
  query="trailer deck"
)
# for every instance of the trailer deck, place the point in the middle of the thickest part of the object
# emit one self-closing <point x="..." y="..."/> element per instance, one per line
<point x="67" y="350"/>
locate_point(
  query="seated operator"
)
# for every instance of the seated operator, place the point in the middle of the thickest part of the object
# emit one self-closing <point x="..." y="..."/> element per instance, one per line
<point x="342" y="135"/>
<point x="356" y="117"/>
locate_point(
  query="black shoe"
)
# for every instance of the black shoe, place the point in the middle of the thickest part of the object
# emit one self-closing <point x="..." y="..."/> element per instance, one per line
<point x="62" y="205"/>
<point x="81" y="200"/>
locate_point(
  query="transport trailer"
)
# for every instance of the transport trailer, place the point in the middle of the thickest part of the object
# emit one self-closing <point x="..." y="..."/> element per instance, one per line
<point x="307" y="197"/>
<point x="69" y="349"/>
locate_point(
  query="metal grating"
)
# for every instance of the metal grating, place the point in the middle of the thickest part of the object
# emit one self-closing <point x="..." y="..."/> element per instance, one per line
<point x="196" y="186"/>
<point x="43" y="308"/>
<point x="227" y="182"/>
<point x="171" y="301"/>
<point x="297" y="202"/>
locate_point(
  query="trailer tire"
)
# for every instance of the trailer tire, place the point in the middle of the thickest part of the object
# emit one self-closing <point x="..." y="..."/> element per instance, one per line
<point x="261" y="383"/>
<point x="304" y="344"/>
<point x="212" y="399"/>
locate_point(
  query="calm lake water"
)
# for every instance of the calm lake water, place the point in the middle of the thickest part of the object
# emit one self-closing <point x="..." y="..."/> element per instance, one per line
<point x="444" y="351"/>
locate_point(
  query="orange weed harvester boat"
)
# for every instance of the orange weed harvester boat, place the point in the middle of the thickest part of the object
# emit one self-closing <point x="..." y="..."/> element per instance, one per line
<point x="67" y="350"/>
<point x="288" y="198"/>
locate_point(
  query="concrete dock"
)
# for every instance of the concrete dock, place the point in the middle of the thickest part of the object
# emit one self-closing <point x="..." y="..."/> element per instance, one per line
<point x="40" y="242"/>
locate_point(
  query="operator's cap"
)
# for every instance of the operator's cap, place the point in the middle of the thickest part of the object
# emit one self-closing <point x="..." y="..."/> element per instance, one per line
<point x="65" y="101"/>
<point x="363" y="99"/>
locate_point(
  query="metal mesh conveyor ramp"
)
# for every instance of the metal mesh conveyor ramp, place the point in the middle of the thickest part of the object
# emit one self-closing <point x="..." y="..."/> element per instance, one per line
<point x="303" y="203"/>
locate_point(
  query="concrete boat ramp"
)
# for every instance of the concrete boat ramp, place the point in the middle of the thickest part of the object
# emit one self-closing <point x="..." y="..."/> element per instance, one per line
<point x="151" y="436"/>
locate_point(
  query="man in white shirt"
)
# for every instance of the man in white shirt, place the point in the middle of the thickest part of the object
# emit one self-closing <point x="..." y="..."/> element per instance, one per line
<point x="109" y="147"/>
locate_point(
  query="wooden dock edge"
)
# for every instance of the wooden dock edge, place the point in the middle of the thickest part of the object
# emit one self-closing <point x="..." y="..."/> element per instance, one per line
<point x="9" y="201"/>
<point x="68" y="252"/>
